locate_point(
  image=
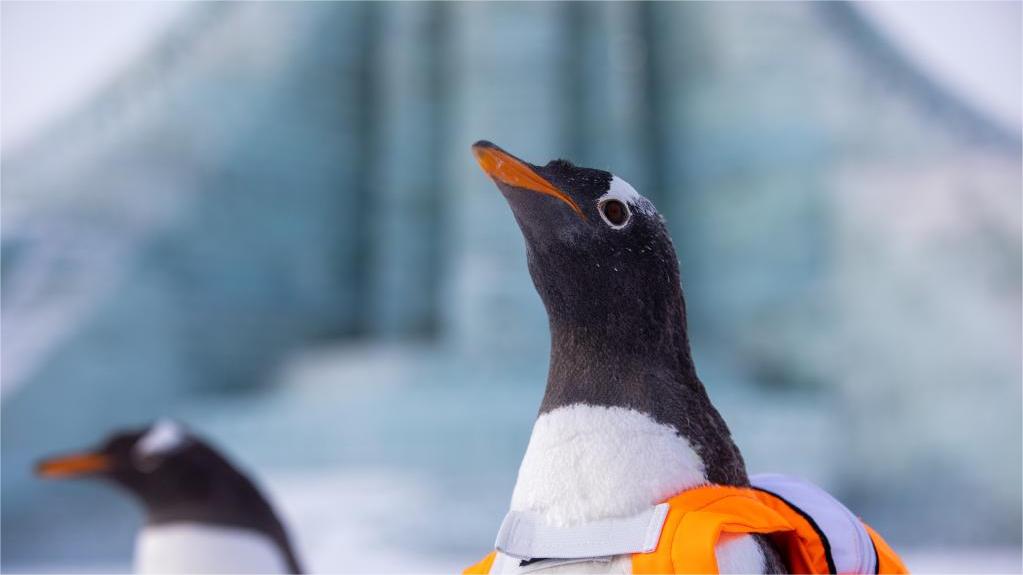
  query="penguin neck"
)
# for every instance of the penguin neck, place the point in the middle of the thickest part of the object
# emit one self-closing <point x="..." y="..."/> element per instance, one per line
<point x="625" y="423"/>
<point x="598" y="363"/>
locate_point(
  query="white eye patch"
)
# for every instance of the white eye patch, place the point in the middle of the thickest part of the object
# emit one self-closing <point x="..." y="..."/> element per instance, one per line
<point x="621" y="197"/>
<point x="621" y="191"/>
<point x="164" y="437"/>
<point x="624" y="192"/>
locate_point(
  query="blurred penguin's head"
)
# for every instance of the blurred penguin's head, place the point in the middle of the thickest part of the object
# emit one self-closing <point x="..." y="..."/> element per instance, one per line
<point x="161" y="463"/>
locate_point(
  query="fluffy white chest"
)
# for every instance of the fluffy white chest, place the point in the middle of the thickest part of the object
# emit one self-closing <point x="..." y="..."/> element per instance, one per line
<point x="586" y="463"/>
<point x="195" y="548"/>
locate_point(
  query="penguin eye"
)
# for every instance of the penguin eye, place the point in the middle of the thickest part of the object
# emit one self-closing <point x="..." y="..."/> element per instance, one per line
<point x="615" y="213"/>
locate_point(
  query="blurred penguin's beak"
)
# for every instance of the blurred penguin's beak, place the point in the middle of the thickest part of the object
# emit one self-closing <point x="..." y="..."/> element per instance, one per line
<point x="73" y="465"/>
<point x="505" y="168"/>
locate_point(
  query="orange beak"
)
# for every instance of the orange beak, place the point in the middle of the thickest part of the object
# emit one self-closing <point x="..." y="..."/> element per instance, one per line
<point x="506" y="168"/>
<point x="73" y="465"/>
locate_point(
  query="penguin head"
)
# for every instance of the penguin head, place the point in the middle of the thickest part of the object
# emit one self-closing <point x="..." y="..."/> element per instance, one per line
<point x="162" y="464"/>
<point x="604" y="265"/>
<point x="599" y="253"/>
<point x="177" y="477"/>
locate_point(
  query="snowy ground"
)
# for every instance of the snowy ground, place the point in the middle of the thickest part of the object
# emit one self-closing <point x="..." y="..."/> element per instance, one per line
<point x="978" y="560"/>
<point x="345" y="523"/>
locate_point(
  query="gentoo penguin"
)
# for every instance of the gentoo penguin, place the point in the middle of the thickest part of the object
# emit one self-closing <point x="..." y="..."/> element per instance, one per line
<point x="625" y="421"/>
<point x="202" y="515"/>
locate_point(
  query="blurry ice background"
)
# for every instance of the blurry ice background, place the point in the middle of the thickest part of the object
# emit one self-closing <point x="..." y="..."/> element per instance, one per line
<point x="263" y="219"/>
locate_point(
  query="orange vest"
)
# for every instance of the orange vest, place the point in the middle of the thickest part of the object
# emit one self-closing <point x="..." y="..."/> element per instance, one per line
<point x="698" y="517"/>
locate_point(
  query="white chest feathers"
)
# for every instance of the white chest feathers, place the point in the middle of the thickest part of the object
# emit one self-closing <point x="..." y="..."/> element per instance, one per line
<point x="197" y="548"/>
<point x="588" y="462"/>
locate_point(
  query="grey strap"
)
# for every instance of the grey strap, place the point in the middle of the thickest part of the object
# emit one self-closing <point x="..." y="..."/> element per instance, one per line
<point x="849" y="547"/>
<point x="525" y="535"/>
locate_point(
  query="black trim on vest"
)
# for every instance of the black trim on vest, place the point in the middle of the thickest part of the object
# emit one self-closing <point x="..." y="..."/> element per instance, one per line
<point x="820" y="533"/>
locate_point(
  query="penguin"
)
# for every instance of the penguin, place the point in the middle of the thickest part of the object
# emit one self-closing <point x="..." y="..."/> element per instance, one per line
<point x="202" y="515"/>
<point x="625" y="422"/>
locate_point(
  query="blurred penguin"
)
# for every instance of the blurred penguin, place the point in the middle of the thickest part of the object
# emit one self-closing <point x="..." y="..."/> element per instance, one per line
<point x="203" y="515"/>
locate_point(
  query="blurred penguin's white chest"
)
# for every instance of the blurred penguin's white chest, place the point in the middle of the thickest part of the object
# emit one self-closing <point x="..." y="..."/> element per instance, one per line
<point x="197" y="548"/>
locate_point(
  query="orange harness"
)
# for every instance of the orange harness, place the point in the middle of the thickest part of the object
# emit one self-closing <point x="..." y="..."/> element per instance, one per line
<point x="698" y="517"/>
